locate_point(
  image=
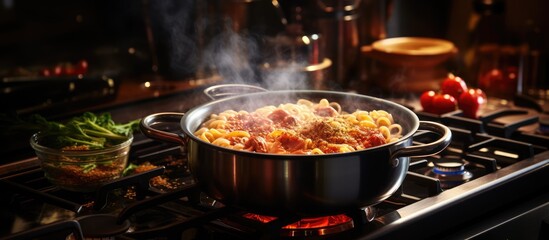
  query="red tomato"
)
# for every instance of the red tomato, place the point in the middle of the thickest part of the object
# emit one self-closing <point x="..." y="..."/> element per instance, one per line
<point x="444" y="103"/>
<point x="454" y="86"/>
<point x="81" y="67"/>
<point x="493" y="82"/>
<point x="509" y="86"/>
<point x="437" y="103"/>
<point x="470" y="101"/>
<point x="46" y="72"/>
<point x="68" y="69"/>
<point x="58" y="70"/>
<point x="490" y="78"/>
<point x="426" y="101"/>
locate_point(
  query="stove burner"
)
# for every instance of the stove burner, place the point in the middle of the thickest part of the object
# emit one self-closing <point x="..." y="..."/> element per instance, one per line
<point x="450" y="171"/>
<point x="318" y="226"/>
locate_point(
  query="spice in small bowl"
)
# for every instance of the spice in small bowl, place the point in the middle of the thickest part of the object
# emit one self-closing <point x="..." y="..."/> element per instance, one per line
<point x="85" y="153"/>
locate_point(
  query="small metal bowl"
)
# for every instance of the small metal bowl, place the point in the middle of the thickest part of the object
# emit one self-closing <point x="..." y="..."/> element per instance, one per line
<point x="81" y="170"/>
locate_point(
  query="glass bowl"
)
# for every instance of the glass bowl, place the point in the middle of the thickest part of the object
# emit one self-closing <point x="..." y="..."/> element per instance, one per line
<point x="81" y="170"/>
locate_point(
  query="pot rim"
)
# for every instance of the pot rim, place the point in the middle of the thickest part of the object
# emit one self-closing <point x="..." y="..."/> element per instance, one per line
<point x="34" y="142"/>
<point x="190" y="134"/>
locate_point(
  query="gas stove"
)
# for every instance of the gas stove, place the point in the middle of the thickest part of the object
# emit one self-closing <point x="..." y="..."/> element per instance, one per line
<point x="491" y="182"/>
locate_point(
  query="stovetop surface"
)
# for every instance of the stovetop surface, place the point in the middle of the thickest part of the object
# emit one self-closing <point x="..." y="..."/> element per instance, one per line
<point x="421" y="197"/>
<point x="501" y="156"/>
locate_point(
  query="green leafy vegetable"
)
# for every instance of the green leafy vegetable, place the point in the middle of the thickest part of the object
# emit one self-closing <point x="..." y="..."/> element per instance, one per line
<point x="88" y="167"/>
<point x="88" y="129"/>
<point x="129" y="169"/>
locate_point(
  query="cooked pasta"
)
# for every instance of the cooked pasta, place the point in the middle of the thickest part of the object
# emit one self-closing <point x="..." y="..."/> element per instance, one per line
<point x="303" y="127"/>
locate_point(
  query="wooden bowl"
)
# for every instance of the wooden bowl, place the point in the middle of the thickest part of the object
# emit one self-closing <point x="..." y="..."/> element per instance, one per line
<point x="411" y="51"/>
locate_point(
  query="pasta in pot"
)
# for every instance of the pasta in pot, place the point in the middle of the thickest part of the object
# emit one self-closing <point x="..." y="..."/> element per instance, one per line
<point x="303" y="127"/>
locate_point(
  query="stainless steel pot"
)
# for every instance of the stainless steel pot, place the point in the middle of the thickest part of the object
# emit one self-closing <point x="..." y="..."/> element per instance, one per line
<point x="308" y="185"/>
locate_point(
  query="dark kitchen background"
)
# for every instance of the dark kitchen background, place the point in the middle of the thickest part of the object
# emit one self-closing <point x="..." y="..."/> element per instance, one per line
<point x="135" y="58"/>
<point x="61" y="58"/>
<point x="178" y="41"/>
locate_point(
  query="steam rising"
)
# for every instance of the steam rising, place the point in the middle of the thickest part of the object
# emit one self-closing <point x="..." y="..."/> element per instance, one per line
<point x="230" y="54"/>
<point x="172" y="19"/>
<point x="200" y="42"/>
<point x="241" y="58"/>
<point x="285" y="79"/>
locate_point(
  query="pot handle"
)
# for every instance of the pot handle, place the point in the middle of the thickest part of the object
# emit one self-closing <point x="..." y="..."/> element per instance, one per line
<point x="228" y="90"/>
<point x="429" y="148"/>
<point x="147" y="123"/>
